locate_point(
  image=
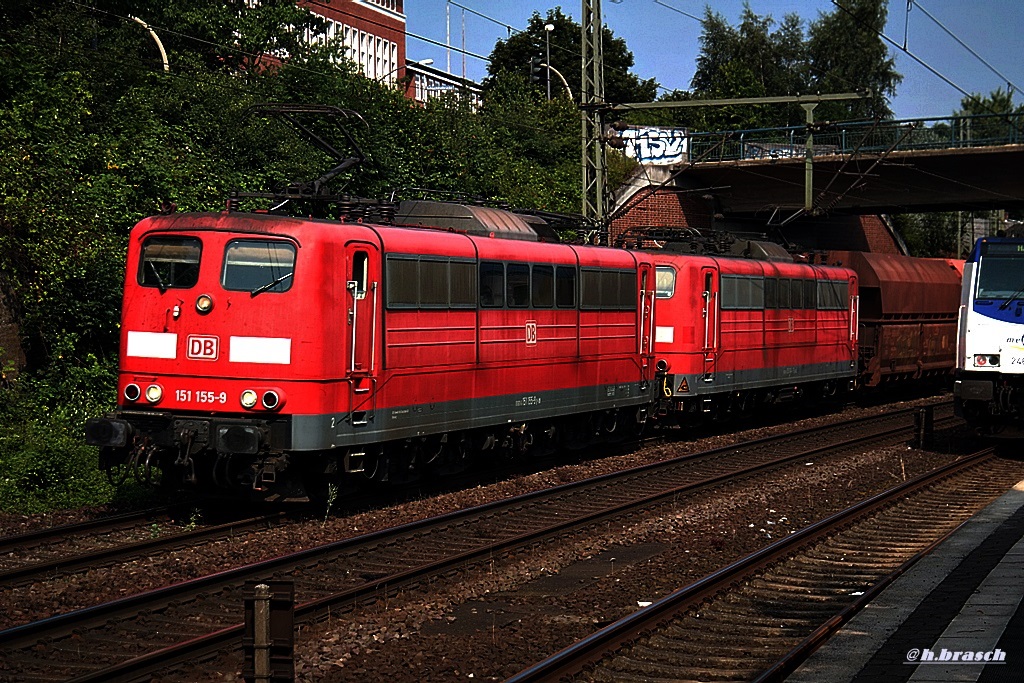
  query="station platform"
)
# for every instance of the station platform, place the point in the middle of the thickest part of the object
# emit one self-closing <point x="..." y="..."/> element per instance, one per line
<point x="957" y="615"/>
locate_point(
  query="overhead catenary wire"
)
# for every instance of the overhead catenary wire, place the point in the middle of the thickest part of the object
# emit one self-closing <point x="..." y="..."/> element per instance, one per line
<point x="1006" y="79"/>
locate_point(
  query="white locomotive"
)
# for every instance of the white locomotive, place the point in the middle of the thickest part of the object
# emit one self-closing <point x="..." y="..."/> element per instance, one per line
<point x="989" y="385"/>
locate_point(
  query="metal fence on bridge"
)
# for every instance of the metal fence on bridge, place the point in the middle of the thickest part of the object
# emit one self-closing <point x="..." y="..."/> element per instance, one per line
<point x="861" y="137"/>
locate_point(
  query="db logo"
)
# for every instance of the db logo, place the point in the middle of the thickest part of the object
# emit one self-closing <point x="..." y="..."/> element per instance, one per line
<point x="531" y="332"/>
<point x="202" y="347"/>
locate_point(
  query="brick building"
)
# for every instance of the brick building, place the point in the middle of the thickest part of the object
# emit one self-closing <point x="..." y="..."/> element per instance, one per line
<point x="372" y="31"/>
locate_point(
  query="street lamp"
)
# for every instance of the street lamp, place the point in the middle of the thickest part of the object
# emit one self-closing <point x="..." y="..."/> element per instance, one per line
<point x="423" y="62"/>
<point x="548" y="28"/>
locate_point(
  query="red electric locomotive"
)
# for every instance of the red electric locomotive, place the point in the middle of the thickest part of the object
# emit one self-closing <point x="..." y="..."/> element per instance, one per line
<point x="731" y="333"/>
<point x="263" y="353"/>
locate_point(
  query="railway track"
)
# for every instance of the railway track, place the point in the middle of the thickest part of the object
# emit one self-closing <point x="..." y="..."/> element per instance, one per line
<point x="65" y="549"/>
<point x="125" y="639"/>
<point x="759" y="618"/>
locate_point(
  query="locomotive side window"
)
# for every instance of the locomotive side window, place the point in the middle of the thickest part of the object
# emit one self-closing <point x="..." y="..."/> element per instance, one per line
<point x="664" y="282"/>
<point x="543" y="286"/>
<point x="517" y="278"/>
<point x="257" y="266"/>
<point x="784" y="290"/>
<point x="429" y="282"/>
<point x="360" y="270"/>
<point x="810" y="294"/>
<point x="170" y="262"/>
<point x="463" y="287"/>
<point x="771" y="292"/>
<point x="796" y="294"/>
<point x="565" y="287"/>
<point x="492" y="284"/>
<point x="403" y="282"/>
<point x="433" y="283"/>
<point x="607" y="289"/>
<point x="833" y="294"/>
<point x="742" y="293"/>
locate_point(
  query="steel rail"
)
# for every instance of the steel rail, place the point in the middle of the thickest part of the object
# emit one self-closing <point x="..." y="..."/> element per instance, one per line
<point x="114" y="521"/>
<point x="104" y="556"/>
<point x="585" y="653"/>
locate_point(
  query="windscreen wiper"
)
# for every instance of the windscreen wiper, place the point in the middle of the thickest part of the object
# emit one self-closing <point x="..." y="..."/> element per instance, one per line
<point x="159" y="280"/>
<point x="1013" y="297"/>
<point x="271" y="284"/>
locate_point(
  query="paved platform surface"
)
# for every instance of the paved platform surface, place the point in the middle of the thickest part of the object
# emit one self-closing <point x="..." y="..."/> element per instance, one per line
<point x="955" y="616"/>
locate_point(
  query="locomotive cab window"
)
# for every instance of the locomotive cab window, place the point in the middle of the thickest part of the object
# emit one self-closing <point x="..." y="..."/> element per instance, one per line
<point x="257" y="266"/>
<point x="664" y="282"/>
<point x="999" y="276"/>
<point x="170" y="262"/>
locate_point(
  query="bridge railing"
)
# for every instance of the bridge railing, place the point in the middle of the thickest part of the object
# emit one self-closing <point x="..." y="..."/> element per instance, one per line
<point x="863" y="137"/>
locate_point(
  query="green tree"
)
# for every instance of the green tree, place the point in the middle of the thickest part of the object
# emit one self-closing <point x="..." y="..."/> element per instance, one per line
<point x="750" y="60"/>
<point x="841" y="51"/>
<point x="514" y="55"/>
<point x="846" y="53"/>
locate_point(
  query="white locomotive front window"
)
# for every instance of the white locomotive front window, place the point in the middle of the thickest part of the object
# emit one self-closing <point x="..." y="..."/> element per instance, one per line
<point x="258" y="266"/>
<point x="999" y="277"/>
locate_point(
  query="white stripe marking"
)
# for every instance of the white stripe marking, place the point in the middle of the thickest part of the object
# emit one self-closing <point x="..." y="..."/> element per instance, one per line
<point x="276" y="350"/>
<point x="152" y="345"/>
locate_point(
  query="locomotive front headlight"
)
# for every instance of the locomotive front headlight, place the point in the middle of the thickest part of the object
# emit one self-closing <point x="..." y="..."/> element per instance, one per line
<point x="154" y="392"/>
<point x="249" y="398"/>
<point x="132" y="392"/>
<point x="204" y="304"/>
<point x="986" y="360"/>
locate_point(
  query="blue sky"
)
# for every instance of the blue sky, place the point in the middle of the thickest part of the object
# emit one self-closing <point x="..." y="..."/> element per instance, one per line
<point x="665" y="42"/>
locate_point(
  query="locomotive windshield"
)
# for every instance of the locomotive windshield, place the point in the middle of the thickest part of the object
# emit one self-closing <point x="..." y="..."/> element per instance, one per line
<point x="170" y="262"/>
<point x="257" y="266"/>
<point x="999" y="277"/>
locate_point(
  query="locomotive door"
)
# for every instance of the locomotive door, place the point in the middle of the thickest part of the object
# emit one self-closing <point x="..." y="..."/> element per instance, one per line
<point x="646" y="328"/>
<point x="710" y="309"/>
<point x="363" y="294"/>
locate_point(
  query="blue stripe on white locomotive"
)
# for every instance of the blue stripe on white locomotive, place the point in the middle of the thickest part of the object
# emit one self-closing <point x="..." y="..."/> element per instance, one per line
<point x="989" y="386"/>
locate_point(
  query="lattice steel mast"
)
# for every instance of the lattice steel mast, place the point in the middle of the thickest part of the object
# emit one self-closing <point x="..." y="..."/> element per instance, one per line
<point x="591" y="101"/>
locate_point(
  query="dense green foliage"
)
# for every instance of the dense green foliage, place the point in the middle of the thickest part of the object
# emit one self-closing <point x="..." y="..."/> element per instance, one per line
<point x="95" y="135"/>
